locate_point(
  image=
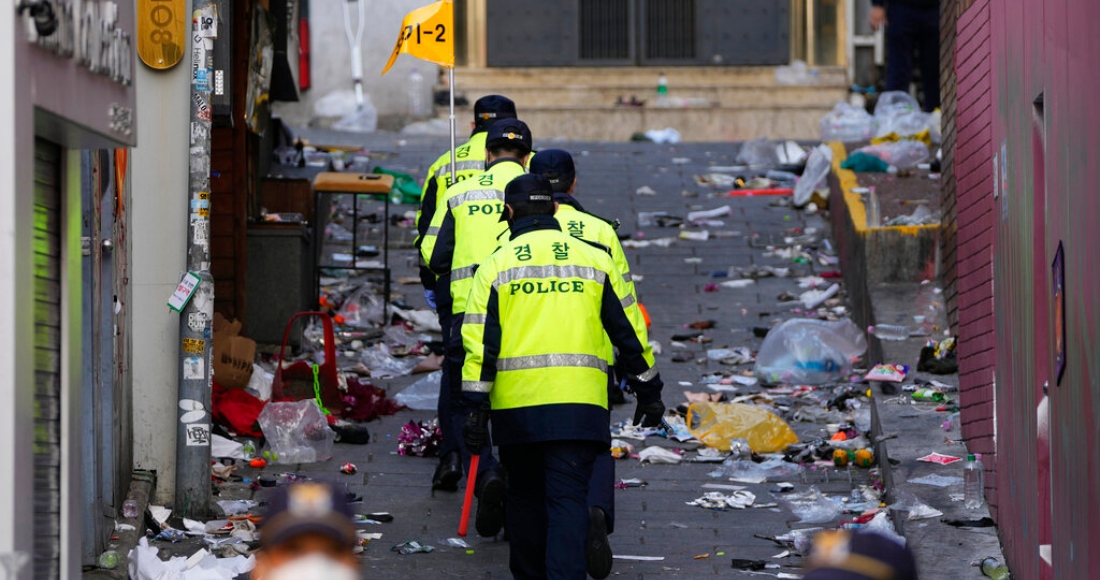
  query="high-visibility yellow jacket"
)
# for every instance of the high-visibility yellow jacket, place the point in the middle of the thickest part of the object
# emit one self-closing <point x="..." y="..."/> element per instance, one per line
<point x="469" y="162"/>
<point x="595" y="230"/>
<point x="467" y="229"/>
<point x="543" y="315"/>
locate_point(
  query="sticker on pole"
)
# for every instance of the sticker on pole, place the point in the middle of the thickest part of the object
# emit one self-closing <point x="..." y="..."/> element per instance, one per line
<point x="184" y="291"/>
<point x="198" y="434"/>
<point x="194" y="369"/>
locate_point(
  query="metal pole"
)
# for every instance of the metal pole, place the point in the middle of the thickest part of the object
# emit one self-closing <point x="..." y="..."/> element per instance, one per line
<point x="196" y="319"/>
<point x="454" y="174"/>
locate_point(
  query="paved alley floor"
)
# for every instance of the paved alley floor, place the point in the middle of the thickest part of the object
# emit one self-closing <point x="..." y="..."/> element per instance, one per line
<point x="652" y="521"/>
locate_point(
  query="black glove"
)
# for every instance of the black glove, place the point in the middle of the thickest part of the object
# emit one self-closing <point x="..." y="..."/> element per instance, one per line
<point x="649" y="414"/>
<point x="476" y="430"/>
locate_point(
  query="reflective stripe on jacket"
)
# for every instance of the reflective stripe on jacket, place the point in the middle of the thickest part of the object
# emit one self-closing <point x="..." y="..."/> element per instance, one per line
<point x="543" y="314"/>
<point x="469" y="162"/>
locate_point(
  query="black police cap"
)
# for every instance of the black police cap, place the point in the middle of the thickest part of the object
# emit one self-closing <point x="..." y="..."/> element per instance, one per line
<point x="557" y="166"/>
<point x="492" y="108"/>
<point x="509" y="132"/>
<point x="529" y="189"/>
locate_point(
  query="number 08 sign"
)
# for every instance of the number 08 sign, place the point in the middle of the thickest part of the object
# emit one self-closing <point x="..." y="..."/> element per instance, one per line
<point x="161" y="32"/>
<point x="428" y="34"/>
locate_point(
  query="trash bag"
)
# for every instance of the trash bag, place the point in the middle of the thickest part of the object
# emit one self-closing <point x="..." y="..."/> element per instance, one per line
<point x="847" y="123"/>
<point x="715" y="424"/>
<point x="297" y="432"/>
<point x="405" y="189"/>
<point x="904" y="154"/>
<point x="808" y="351"/>
<point x="748" y="471"/>
<point x="363" y="308"/>
<point x="423" y="395"/>
<point x="898" y="116"/>
<point x="893" y="103"/>
<point x="383" y="364"/>
<point x="812" y="507"/>
<point x="818" y="167"/>
<point x="759" y="151"/>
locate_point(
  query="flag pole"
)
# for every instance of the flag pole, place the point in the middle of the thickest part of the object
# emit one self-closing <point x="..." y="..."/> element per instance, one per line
<point x="452" y="87"/>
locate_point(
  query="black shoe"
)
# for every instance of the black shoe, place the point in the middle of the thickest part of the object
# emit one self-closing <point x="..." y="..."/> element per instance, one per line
<point x="597" y="551"/>
<point x="448" y="472"/>
<point x="490" y="505"/>
<point x="615" y="396"/>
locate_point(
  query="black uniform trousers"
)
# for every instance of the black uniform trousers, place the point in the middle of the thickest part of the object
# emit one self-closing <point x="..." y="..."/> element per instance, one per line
<point x="912" y="29"/>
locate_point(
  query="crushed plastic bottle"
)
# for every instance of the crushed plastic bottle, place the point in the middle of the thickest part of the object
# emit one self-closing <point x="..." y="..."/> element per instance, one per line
<point x="889" y="331"/>
<point x="973" y="483"/>
<point x="108" y="560"/>
<point x="994" y="568"/>
<point x="248" y="449"/>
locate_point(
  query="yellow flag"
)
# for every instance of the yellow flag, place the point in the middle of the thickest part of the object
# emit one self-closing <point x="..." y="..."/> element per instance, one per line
<point x="428" y="34"/>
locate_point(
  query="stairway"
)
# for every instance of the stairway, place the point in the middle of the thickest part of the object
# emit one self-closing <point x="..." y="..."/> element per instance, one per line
<point x="703" y="103"/>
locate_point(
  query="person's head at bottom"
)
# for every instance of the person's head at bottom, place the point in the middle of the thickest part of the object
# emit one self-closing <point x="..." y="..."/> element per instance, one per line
<point x="307" y="534"/>
<point x="858" y="555"/>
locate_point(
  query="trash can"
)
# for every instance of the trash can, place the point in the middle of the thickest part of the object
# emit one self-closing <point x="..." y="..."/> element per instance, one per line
<point x="280" y="279"/>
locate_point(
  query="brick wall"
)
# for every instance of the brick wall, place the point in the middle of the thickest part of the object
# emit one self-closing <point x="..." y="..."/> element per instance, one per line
<point x="973" y="232"/>
<point x="948" y="17"/>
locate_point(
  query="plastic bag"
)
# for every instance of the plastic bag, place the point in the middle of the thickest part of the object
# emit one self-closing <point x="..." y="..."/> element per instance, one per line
<point x="893" y="103"/>
<point x="382" y="364"/>
<point x="341" y="104"/>
<point x="847" y="123"/>
<point x="715" y="424"/>
<point x="405" y="188"/>
<point x="747" y="471"/>
<point x="812" y="507"/>
<point x="259" y="385"/>
<point x="145" y="564"/>
<point x="297" y="432"/>
<point x="905" y="154"/>
<point x="668" y="135"/>
<point x="808" y="351"/>
<point x="759" y="151"/>
<point x="423" y="395"/>
<point x="817" y="169"/>
<point x="796" y="73"/>
<point x="363" y="308"/>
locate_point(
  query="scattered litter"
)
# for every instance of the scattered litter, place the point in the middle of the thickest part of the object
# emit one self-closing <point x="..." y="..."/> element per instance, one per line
<point x="812" y="506"/>
<point x="627" y="430"/>
<point x="731" y="356"/>
<point x="420" y="439"/>
<point x="297" y="432"/>
<point x="920" y="216"/>
<point x="699" y="236"/>
<point x="715" y="500"/>
<point x="349" y="469"/>
<point x="936" y="480"/>
<point x="633" y="482"/>
<point x="382" y="364"/>
<point x="639" y="558"/>
<point x="905" y="154"/>
<point x="715" y="424"/>
<point x="796" y="73"/>
<point x="423" y="395"/>
<point x="938" y="458"/>
<point x="620" y="448"/>
<point x="202" y="565"/>
<point x="818" y="166"/>
<point x="709" y="214"/>
<point x="759" y="152"/>
<point x="811" y="299"/>
<point x="677" y="428"/>
<point x="645" y="190"/>
<point x="457" y="543"/>
<point x="847" y="123"/>
<point x="160" y="513"/>
<point x="783" y="554"/>
<point x="407" y="548"/>
<point x="888" y="373"/>
<point x="742" y="283"/>
<point x="747" y="471"/>
<point x="234" y="507"/>
<point x="222" y="447"/>
<point x="667" y="135"/>
<point x="656" y="455"/>
<point x="808" y="351"/>
<point x="916" y="509"/>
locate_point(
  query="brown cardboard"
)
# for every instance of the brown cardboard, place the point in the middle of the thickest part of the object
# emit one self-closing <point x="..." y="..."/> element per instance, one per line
<point x="233" y="354"/>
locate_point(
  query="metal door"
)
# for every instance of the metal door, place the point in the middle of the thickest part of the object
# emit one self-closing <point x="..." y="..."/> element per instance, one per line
<point x="100" y="416"/>
<point x="47" y="359"/>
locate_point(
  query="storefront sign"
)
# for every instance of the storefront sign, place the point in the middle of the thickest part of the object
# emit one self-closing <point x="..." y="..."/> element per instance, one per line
<point x="88" y="32"/>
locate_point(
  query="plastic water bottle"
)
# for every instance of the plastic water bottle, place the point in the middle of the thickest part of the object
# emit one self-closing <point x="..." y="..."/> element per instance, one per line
<point x="973" y="483"/>
<point x="662" y="85"/>
<point x="993" y="568"/>
<point x="417" y="106"/>
<point x="889" y="331"/>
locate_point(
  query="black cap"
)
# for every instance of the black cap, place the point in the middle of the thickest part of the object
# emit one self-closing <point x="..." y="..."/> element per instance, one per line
<point x="307" y="508"/>
<point x="529" y="189"/>
<point x="492" y="108"/>
<point x="862" y="555"/>
<point x="509" y="131"/>
<point x="557" y="166"/>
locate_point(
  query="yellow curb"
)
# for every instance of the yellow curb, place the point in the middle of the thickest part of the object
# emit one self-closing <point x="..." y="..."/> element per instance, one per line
<point x="854" y="201"/>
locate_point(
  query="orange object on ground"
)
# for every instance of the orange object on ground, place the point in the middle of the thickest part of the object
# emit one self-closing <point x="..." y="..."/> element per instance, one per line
<point x="840" y="458"/>
<point x="258" y="462"/>
<point x="754" y="192"/>
<point x="839" y="436"/>
<point x="864" y="458"/>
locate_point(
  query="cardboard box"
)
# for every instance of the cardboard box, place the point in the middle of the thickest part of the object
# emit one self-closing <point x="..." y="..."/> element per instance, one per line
<point x="233" y="354"/>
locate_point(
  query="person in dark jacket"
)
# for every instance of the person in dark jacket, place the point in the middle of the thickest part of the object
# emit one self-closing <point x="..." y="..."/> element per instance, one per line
<point x="912" y="26"/>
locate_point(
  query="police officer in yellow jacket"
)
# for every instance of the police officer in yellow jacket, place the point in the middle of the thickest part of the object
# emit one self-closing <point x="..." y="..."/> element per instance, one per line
<point x="543" y="316"/>
<point x="469" y="162"/>
<point x="558" y="168"/>
<point x="462" y="234"/>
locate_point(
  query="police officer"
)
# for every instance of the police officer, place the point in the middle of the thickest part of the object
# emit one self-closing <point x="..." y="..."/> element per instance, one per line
<point x="469" y="162"/>
<point x="542" y="317"/>
<point x="462" y="234"/>
<point x="558" y="167"/>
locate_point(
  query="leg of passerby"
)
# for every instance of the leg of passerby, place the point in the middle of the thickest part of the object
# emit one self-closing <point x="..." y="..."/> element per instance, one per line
<point x="568" y="471"/>
<point x="899" y="47"/>
<point x="928" y="45"/>
<point x="527" y="519"/>
<point x="601" y="515"/>
<point x="449" y="471"/>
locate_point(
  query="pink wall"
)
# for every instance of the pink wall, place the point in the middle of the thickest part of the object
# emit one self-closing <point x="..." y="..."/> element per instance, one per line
<point x="1047" y="480"/>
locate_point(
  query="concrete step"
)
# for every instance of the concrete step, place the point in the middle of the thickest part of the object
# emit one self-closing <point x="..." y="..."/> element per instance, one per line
<point x="724" y="123"/>
<point x="632" y="76"/>
<point x="527" y="97"/>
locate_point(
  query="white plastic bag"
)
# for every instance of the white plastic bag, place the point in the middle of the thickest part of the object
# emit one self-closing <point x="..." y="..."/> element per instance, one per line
<point x="382" y="364"/>
<point x="759" y="151"/>
<point x="297" y="432"/>
<point x="892" y="103"/>
<point x="817" y="169"/>
<point x="363" y="308"/>
<point x="812" y="507"/>
<point x="808" y="351"/>
<point x="341" y="105"/>
<point x="904" y="154"/>
<point x="423" y="395"/>
<point x="847" y="124"/>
